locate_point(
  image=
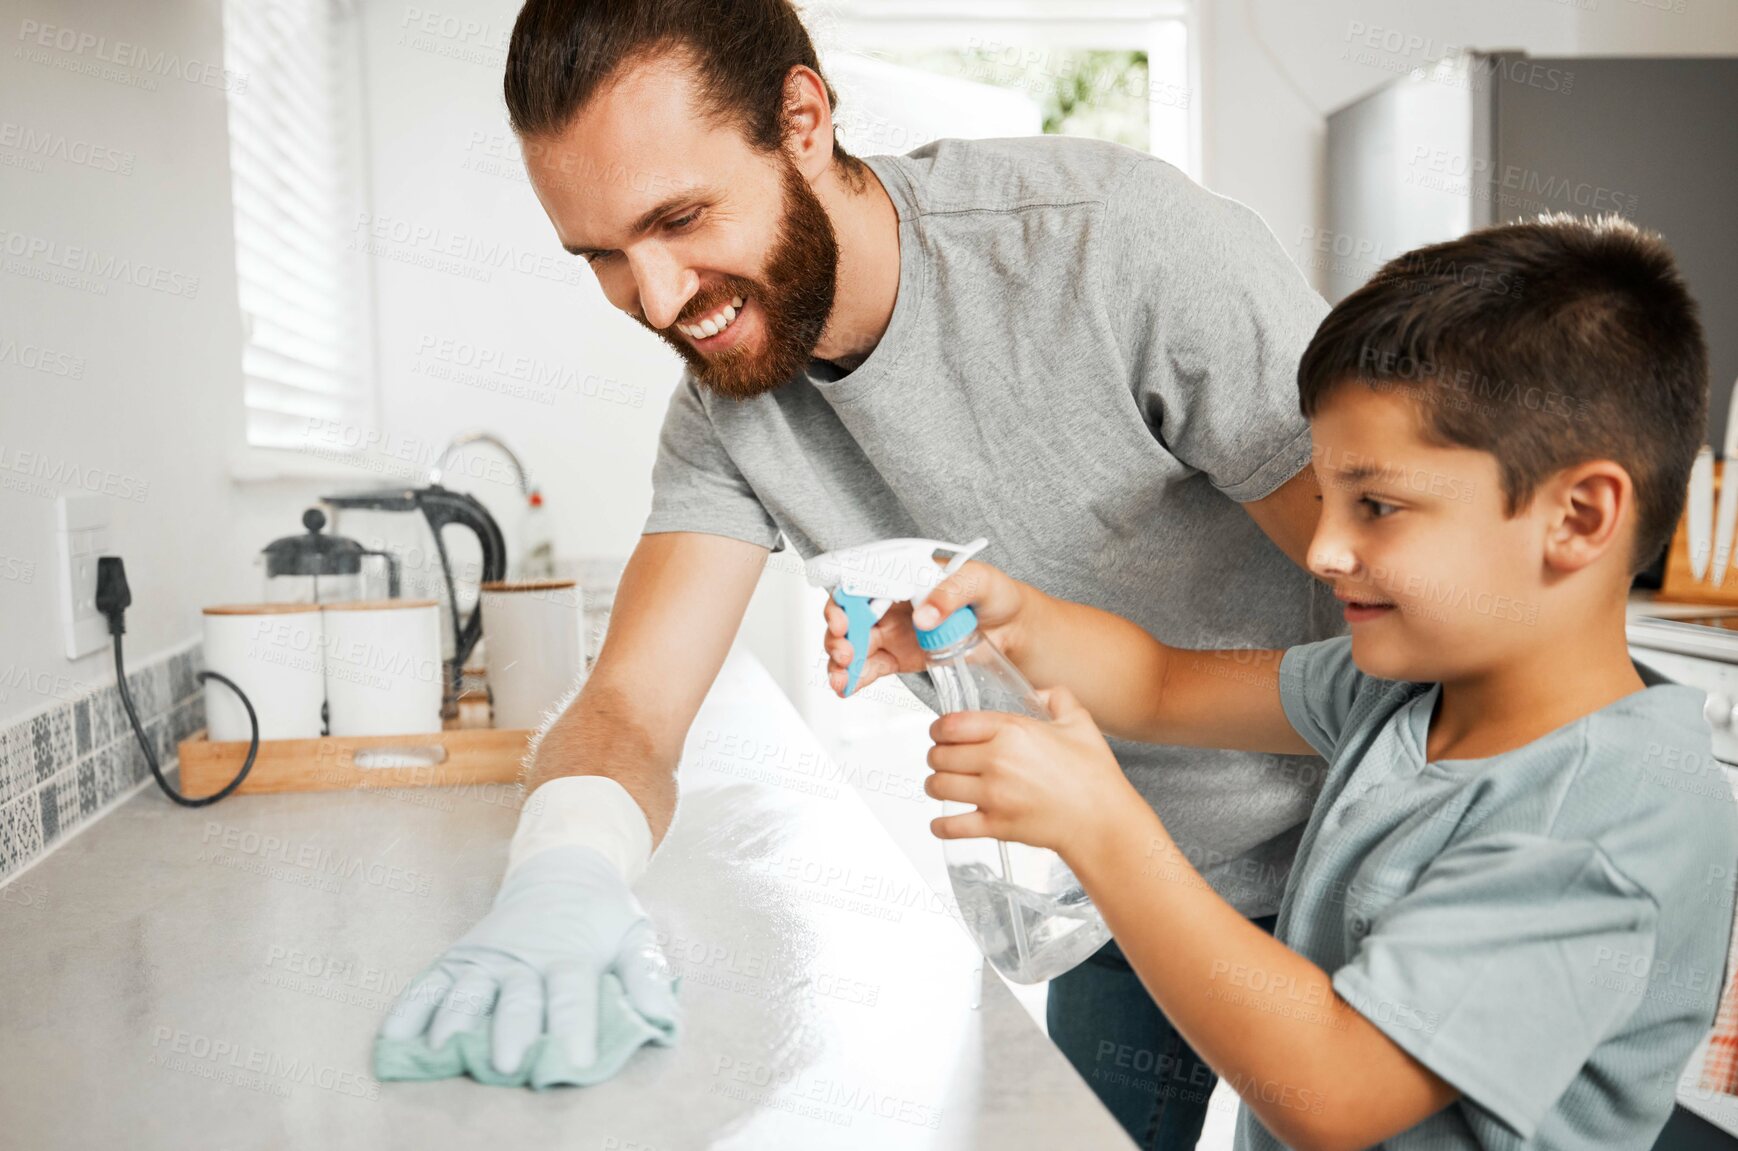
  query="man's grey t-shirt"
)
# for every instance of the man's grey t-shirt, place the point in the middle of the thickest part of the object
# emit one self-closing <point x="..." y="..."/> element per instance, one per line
<point x="1091" y="361"/>
<point x="1545" y="929"/>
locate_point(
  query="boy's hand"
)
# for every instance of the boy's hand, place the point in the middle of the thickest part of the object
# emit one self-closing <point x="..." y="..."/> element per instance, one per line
<point x="1052" y="784"/>
<point x="996" y="597"/>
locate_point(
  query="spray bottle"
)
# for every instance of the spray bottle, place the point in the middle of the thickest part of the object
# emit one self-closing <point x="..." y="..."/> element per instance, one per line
<point x="1023" y="906"/>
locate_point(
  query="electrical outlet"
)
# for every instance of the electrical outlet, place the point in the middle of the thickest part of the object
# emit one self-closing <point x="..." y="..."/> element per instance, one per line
<point x="84" y="535"/>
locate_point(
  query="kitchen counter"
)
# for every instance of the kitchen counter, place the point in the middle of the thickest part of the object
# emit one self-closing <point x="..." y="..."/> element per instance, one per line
<point x="214" y="977"/>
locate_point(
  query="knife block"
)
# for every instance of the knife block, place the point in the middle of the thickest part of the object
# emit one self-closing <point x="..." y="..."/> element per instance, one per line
<point x="1679" y="586"/>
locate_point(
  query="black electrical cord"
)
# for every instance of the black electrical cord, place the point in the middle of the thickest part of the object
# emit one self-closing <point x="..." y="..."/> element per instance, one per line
<point x="112" y="599"/>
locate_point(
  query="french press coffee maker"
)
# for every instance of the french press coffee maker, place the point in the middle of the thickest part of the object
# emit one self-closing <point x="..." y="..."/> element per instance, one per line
<point x="319" y="567"/>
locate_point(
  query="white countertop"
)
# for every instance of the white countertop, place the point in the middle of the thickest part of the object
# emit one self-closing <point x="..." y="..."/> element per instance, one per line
<point x="215" y="977"/>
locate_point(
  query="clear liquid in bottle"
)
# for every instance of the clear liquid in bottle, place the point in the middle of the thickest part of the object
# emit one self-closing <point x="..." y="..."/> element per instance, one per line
<point x="1023" y="906"/>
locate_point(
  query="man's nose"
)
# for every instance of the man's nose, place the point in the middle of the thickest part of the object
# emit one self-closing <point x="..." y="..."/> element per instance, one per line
<point x="665" y="286"/>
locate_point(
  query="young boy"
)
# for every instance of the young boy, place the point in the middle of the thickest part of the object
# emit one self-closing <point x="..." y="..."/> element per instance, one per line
<point x="1508" y="918"/>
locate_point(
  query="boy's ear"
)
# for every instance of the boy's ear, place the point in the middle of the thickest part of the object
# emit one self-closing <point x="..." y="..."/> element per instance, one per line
<point x="1590" y="506"/>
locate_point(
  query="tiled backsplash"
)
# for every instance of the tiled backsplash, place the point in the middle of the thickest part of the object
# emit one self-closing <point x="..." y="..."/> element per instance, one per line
<point x="62" y="766"/>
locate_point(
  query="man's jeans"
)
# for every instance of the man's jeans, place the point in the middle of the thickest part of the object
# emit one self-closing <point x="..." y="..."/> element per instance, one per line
<point x="1128" y="1052"/>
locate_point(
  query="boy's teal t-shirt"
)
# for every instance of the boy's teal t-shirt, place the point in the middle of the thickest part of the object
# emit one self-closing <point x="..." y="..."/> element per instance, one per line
<point x="1545" y="929"/>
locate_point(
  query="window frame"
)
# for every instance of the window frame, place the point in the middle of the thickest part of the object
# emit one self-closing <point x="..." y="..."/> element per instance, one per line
<point x="251" y="461"/>
<point x="1077" y="25"/>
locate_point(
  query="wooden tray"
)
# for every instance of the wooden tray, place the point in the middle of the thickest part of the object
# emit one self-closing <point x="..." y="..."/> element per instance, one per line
<point x="465" y="751"/>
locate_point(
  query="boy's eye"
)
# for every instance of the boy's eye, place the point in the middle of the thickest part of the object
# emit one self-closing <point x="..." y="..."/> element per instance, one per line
<point x="1376" y="508"/>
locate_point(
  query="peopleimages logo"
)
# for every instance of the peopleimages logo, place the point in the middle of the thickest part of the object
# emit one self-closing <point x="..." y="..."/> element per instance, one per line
<point x="474" y="257"/>
<point x="103" y="266"/>
<point x="544" y="381"/>
<point x="431" y="23"/>
<point x="48" y="470"/>
<point x="211" y="1056"/>
<point x="125" y="54"/>
<point x="45" y="145"/>
<point x="37" y="358"/>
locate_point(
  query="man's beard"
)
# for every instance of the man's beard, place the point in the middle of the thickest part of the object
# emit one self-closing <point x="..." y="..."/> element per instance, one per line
<point x="795" y="296"/>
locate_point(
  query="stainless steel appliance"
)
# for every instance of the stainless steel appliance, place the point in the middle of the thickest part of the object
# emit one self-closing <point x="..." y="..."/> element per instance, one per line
<point x="1488" y="138"/>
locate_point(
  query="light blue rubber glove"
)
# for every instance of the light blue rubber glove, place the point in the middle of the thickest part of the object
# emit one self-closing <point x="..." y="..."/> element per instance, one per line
<point x="560" y="983"/>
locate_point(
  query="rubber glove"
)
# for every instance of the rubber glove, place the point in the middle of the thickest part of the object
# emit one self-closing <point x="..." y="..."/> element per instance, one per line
<point x="560" y="983"/>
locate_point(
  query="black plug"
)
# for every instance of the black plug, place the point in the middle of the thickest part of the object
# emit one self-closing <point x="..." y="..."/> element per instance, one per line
<point x="112" y="599"/>
<point x="113" y="595"/>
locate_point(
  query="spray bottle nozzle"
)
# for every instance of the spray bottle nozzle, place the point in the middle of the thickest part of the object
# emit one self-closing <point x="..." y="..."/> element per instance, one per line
<point x="868" y="579"/>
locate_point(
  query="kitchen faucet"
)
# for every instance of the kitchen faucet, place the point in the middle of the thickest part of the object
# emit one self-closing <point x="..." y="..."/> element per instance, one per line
<point x="539" y="558"/>
<point x="466" y="438"/>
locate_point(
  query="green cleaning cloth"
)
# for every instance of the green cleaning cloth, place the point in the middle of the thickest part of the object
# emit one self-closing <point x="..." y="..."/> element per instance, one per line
<point x="621" y="1030"/>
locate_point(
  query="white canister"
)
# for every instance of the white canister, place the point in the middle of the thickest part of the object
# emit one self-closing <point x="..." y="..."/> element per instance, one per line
<point x="383" y="667"/>
<point x="533" y="646"/>
<point x="273" y="653"/>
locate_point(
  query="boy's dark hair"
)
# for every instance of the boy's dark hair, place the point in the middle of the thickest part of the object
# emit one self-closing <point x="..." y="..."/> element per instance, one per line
<point x="563" y="52"/>
<point x="1547" y="344"/>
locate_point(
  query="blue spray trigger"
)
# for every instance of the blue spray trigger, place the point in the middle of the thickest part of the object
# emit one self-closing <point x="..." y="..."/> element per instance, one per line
<point x="859" y="619"/>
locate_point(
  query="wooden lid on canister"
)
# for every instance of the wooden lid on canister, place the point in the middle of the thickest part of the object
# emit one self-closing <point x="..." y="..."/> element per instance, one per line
<point x="260" y="608"/>
<point x="510" y="585"/>
<point x="377" y="604"/>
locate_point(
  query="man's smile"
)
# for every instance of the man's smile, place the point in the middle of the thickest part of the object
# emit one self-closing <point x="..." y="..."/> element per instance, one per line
<point x="711" y="324"/>
<point x="706" y="331"/>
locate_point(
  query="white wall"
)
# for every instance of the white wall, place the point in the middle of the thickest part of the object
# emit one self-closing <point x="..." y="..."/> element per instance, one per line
<point x="151" y="401"/>
<point x="503" y="300"/>
<point x="1272" y="70"/>
<point x="151" y="405"/>
<point x="445" y="169"/>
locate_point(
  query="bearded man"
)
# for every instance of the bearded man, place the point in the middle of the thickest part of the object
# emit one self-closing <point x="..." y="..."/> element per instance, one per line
<point x="1061" y="344"/>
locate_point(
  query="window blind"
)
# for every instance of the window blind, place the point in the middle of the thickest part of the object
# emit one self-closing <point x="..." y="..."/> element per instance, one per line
<point x="295" y="181"/>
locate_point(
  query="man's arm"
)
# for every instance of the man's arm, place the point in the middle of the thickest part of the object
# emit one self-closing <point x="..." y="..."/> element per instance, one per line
<point x="1289" y="513"/>
<point x="681" y="599"/>
<point x="566" y="913"/>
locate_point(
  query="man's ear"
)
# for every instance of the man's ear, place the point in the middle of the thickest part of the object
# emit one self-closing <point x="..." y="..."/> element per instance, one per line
<point x="1592" y="505"/>
<point x="807" y="121"/>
